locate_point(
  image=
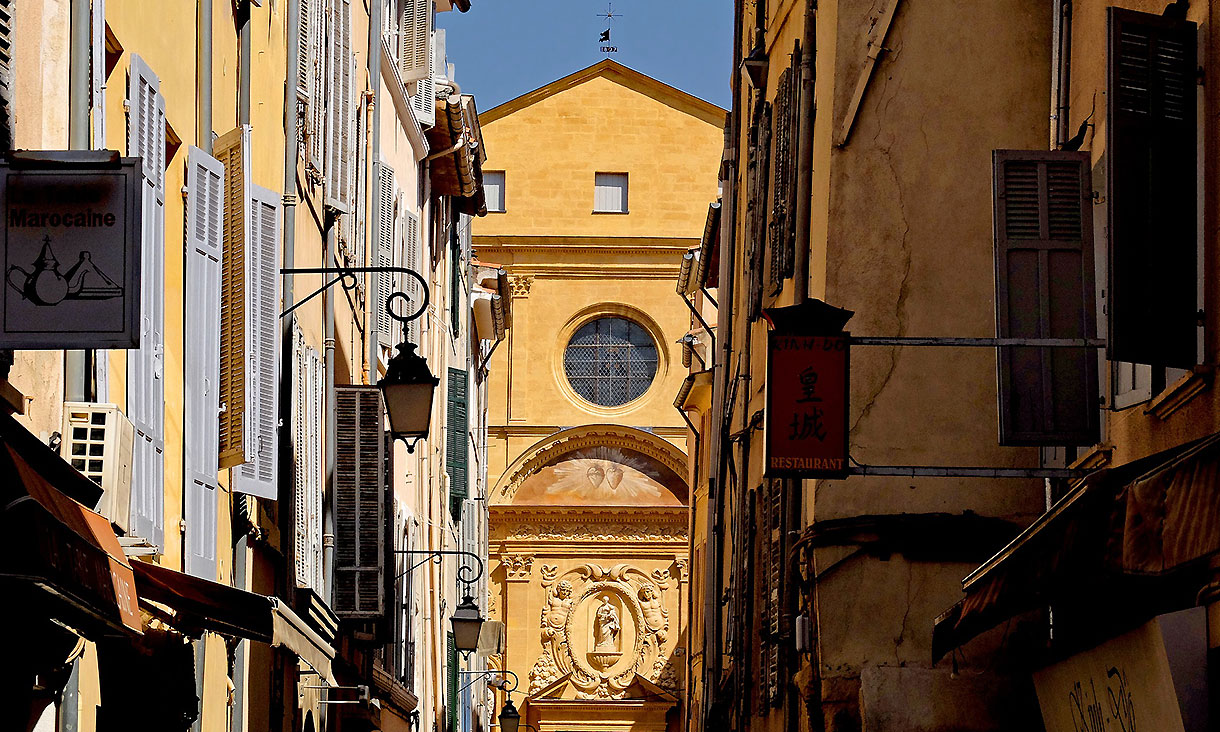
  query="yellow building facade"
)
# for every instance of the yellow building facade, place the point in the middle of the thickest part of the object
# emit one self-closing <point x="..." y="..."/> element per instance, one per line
<point x="597" y="184"/>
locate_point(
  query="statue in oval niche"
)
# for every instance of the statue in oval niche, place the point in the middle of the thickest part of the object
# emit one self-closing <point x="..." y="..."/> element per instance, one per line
<point x="605" y="627"/>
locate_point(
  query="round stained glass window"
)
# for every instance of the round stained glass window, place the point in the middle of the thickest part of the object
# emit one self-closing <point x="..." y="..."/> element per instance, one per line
<point x="610" y="361"/>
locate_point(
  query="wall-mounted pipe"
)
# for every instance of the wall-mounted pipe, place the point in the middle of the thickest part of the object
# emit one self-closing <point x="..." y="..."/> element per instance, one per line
<point x="203" y="75"/>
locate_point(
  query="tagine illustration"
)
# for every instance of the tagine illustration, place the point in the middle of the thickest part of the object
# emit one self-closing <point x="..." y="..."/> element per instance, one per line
<point x="45" y="285"/>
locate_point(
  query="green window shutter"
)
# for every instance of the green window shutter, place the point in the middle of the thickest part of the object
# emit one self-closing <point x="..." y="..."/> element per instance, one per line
<point x="451" y="683"/>
<point x="456" y="454"/>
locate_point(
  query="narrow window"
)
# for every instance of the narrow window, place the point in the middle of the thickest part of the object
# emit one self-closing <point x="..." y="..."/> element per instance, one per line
<point x="610" y="193"/>
<point x="493" y="189"/>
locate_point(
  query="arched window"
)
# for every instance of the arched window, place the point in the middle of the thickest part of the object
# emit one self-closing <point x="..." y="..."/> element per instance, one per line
<point x="610" y="361"/>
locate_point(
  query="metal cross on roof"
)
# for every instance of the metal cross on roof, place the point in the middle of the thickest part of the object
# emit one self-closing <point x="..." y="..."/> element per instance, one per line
<point x="609" y="15"/>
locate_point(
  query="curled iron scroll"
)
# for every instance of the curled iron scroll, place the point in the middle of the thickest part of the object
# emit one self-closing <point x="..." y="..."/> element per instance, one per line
<point x="389" y="302"/>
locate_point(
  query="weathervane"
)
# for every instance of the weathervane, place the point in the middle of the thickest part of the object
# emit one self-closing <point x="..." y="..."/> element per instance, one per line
<point x="609" y="15"/>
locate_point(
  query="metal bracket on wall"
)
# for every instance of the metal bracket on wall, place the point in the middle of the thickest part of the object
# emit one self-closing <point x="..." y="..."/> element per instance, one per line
<point x="876" y="41"/>
<point x="347" y="275"/>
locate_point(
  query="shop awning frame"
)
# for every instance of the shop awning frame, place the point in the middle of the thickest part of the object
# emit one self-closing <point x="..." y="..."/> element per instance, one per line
<point x="1143" y="524"/>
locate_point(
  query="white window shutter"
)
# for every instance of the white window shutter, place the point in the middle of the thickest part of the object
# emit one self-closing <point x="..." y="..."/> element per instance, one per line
<point x="318" y="71"/>
<point x="610" y="192"/>
<point x="385" y="254"/>
<point x="307" y="42"/>
<point x="424" y="101"/>
<point x="408" y="283"/>
<point x="204" y="223"/>
<point x="340" y="115"/>
<point x="307" y="413"/>
<point x="414" y="40"/>
<point x="257" y="476"/>
<point x="145" y="378"/>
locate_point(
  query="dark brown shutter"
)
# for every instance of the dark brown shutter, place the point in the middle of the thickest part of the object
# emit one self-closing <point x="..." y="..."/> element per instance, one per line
<point x="1152" y="179"/>
<point x="359" y="503"/>
<point x="758" y="176"/>
<point x="782" y="228"/>
<point x="1044" y="289"/>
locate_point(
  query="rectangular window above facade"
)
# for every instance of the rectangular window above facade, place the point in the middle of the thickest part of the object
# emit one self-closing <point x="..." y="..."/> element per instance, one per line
<point x="610" y="193"/>
<point x="493" y="189"/>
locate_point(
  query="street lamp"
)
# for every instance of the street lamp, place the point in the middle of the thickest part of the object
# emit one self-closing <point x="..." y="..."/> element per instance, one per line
<point x="467" y="622"/>
<point x="510" y="718"/>
<point x="408" y="388"/>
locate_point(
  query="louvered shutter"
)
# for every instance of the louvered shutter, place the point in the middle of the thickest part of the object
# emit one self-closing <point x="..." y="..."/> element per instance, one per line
<point x="471" y="513"/>
<point x="1044" y="289"/>
<point x="233" y="150"/>
<point x="385" y="255"/>
<point x="307" y="413"/>
<point x="7" y="34"/>
<point x="340" y="110"/>
<point x="145" y="377"/>
<point x="423" y="102"/>
<point x="257" y="476"/>
<point x="451" y="684"/>
<point x="757" y="177"/>
<point x="319" y="64"/>
<point x="406" y="283"/>
<point x="456" y="453"/>
<point x="782" y="229"/>
<point x="1152" y="178"/>
<point x="204" y="221"/>
<point x="456" y="275"/>
<point x="414" y="40"/>
<point x="359" y="502"/>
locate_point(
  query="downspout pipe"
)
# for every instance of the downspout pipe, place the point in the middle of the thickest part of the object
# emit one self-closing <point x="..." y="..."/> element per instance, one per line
<point x="243" y="56"/>
<point x="804" y="155"/>
<point x="78" y="381"/>
<point x="373" y="216"/>
<point x="1062" y="32"/>
<point x="203" y="75"/>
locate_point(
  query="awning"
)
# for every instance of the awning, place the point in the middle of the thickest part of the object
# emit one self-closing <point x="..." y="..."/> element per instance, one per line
<point x="1148" y="524"/>
<point x="54" y="543"/>
<point x="200" y="604"/>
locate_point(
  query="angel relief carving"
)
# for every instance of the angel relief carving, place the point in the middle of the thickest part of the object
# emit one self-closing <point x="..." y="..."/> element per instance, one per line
<point x="627" y="630"/>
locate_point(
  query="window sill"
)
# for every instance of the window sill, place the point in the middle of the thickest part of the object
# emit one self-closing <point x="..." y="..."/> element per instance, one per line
<point x="1181" y="392"/>
<point x="623" y="213"/>
<point x="1098" y="456"/>
<point x="496" y="210"/>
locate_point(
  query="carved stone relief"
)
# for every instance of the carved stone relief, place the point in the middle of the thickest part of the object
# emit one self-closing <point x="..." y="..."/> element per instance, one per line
<point x="517" y="567"/>
<point x="600" y="627"/>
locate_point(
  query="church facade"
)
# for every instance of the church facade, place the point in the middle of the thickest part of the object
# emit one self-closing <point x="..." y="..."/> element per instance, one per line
<point x="598" y="186"/>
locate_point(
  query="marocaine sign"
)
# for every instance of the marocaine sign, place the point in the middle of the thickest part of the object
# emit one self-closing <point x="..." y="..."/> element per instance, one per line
<point x="807" y="388"/>
<point x="71" y="250"/>
<point x="1152" y="678"/>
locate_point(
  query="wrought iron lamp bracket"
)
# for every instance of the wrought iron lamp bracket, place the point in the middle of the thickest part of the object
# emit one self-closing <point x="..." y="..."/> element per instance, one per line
<point x="346" y="277"/>
<point x="464" y="571"/>
<point x="504" y="673"/>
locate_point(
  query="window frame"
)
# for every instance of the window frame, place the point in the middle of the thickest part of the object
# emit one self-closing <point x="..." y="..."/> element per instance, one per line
<point x="625" y="190"/>
<point x="502" y="202"/>
<point x="632" y="399"/>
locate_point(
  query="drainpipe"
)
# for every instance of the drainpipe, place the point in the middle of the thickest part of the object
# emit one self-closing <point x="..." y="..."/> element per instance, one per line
<point x="1061" y="53"/>
<point x="804" y="155"/>
<point x="78" y="382"/>
<point x="243" y="60"/>
<point x="328" y="346"/>
<point x="377" y="298"/>
<point x="203" y="75"/>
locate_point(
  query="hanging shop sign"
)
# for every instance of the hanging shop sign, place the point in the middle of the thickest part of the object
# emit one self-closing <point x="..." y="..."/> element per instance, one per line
<point x="806" y="428"/>
<point x="71" y="250"/>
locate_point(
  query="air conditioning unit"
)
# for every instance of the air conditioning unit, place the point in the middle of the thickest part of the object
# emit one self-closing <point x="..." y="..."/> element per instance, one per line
<point x="97" y="441"/>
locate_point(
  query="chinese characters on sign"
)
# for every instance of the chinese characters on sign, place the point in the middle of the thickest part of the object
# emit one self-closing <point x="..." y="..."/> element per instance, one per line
<point x="807" y="406"/>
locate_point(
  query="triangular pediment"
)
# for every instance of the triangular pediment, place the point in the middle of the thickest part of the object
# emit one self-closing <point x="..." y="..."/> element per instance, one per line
<point x="619" y="74"/>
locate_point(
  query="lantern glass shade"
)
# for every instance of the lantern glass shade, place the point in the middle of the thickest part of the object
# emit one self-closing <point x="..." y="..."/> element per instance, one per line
<point x="409" y="407"/>
<point x="466" y="625"/>
<point x="510" y="718"/>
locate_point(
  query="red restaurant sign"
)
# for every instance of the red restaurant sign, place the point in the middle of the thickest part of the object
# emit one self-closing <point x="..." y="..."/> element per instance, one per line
<point x="807" y="392"/>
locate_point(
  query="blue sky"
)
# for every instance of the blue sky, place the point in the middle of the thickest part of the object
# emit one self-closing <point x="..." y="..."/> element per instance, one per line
<point x="504" y="48"/>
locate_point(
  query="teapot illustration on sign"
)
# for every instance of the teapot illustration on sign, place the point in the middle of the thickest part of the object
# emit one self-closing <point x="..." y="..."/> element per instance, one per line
<point x="46" y="286"/>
